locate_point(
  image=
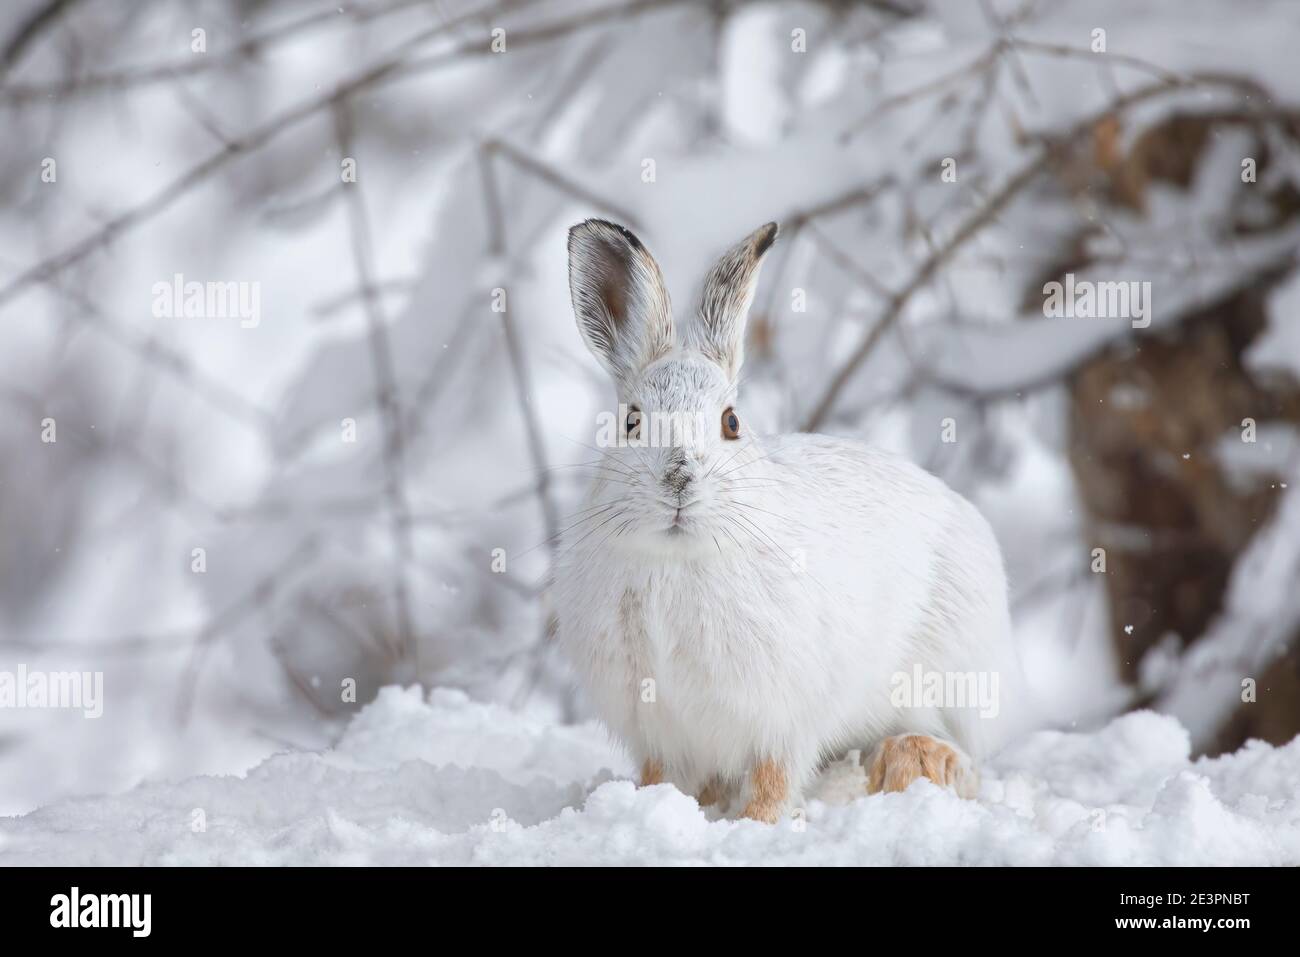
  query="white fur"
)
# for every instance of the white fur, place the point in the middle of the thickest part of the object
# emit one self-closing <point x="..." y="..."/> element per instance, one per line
<point x="806" y="572"/>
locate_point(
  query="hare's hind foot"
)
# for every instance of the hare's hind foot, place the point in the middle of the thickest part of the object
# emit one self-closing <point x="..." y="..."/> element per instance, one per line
<point x="898" y="761"/>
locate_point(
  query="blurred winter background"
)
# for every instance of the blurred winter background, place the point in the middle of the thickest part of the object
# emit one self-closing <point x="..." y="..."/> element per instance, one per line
<point x="895" y="299"/>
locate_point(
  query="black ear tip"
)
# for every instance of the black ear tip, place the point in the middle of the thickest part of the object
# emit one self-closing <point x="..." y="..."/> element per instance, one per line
<point x="599" y="226"/>
<point x="764" y="237"/>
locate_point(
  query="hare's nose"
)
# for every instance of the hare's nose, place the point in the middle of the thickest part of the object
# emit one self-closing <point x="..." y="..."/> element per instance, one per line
<point x="678" y="475"/>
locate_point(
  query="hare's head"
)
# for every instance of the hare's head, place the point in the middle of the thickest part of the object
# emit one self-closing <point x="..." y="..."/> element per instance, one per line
<point x="679" y="432"/>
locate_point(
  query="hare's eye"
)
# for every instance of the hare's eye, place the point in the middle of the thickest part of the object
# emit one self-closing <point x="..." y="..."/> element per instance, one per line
<point x="633" y="423"/>
<point x="730" y="424"/>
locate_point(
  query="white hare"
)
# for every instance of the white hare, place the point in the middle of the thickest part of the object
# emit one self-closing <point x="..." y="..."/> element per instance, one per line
<point x="740" y="608"/>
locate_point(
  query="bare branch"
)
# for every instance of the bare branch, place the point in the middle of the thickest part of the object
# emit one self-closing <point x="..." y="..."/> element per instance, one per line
<point x="259" y="137"/>
<point x="387" y="397"/>
<point x="40" y="20"/>
<point x="129" y="79"/>
<point x="1051" y="144"/>
<point x="559" y="181"/>
<point x="523" y="387"/>
<point x="258" y="597"/>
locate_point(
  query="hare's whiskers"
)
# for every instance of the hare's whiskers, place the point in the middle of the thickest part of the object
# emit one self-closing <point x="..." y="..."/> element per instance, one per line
<point x="793" y="562"/>
<point x="586" y="535"/>
<point x="749" y="462"/>
<point x="564" y="531"/>
<point x="785" y="519"/>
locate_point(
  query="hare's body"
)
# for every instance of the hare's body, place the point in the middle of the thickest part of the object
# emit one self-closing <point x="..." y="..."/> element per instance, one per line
<point x="686" y="660"/>
<point x="739" y="609"/>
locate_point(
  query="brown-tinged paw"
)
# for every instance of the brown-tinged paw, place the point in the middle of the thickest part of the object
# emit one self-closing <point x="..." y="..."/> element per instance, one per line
<point x="770" y="787"/>
<point x="763" y="811"/>
<point x="713" y="792"/>
<point x="898" y="761"/>
<point x="652" y="772"/>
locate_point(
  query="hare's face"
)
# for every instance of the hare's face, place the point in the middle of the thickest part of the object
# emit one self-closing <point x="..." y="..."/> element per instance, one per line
<point x="686" y="451"/>
<point x="685" y="465"/>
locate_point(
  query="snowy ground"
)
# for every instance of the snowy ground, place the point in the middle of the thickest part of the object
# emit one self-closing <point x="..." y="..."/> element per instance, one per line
<point x="450" y="781"/>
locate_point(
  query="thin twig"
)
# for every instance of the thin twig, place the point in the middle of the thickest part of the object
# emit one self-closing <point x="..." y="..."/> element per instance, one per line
<point x="387" y="399"/>
<point x="514" y="350"/>
<point x="561" y="182"/>
<point x="40" y="20"/>
<point x="258" y="597"/>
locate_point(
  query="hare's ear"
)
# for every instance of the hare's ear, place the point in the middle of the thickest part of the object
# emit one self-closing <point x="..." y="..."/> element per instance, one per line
<point x="728" y="291"/>
<point x="619" y="297"/>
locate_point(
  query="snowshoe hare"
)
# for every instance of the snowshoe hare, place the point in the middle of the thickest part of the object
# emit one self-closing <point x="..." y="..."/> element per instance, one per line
<point x="743" y="608"/>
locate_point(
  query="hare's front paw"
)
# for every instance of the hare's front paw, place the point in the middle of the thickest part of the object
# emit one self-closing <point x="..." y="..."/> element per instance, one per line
<point x="900" y="760"/>
<point x="652" y="773"/>
<point x="713" y="792"/>
<point x="769" y="788"/>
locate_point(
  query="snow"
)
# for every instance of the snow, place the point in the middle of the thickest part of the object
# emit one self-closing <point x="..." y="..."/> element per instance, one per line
<point x="1279" y="346"/>
<point x="447" y="780"/>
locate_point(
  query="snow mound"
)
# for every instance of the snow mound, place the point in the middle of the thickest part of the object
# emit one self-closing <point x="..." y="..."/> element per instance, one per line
<point x="447" y="780"/>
